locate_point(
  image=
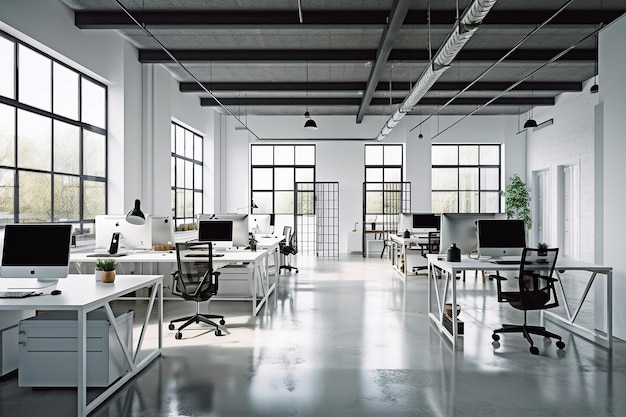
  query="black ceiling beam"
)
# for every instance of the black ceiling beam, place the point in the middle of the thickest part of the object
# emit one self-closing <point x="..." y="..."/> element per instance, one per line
<point x="193" y="87"/>
<point x="385" y="45"/>
<point x="259" y="19"/>
<point x="345" y="55"/>
<point x="347" y="101"/>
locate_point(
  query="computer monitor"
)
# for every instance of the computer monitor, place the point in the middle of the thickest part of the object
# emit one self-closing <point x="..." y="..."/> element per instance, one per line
<point x="405" y="223"/>
<point x="218" y="232"/>
<point x="132" y="236"/>
<point x="163" y="231"/>
<point x="460" y="228"/>
<point x="40" y="251"/>
<point x="426" y="222"/>
<point x="240" y="226"/>
<point x="498" y="238"/>
<point x="260" y="223"/>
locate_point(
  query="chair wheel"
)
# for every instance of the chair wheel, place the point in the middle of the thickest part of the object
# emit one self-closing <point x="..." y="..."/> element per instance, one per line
<point x="495" y="337"/>
<point x="222" y="322"/>
<point x="218" y="332"/>
<point x="178" y="336"/>
<point x="534" y="350"/>
<point x="171" y="326"/>
<point x="560" y="344"/>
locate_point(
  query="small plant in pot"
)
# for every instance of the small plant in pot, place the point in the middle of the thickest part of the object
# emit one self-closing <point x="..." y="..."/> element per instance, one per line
<point x="542" y="249"/>
<point x="105" y="270"/>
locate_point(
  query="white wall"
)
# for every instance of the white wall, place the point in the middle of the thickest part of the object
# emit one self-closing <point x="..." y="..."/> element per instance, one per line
<point x="612" y="92"/>
<point x="340" y="157"/>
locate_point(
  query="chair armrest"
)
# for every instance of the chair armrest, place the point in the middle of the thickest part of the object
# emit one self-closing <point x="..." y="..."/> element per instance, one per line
<point x="497" y="277"/>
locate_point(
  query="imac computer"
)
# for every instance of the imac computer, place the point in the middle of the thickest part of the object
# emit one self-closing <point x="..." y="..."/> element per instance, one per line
<point x="240" y="237"/>
<point x="112" y="230"/>
<point x="405" y="223"/>
<point x="460" y="228"/>
<point x="498" y="239"/>
<point x="261" y="224"/>
<point x="40" y="251"/>
<point x="163" y="232"/>
<point x="423" y="223"/>
<point x="218" y="232"/>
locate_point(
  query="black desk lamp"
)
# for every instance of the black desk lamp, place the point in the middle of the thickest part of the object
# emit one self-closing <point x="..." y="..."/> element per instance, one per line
<point x="136" y="216"/>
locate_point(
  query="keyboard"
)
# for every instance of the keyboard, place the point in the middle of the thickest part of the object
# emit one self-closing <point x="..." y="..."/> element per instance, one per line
<point x="203" y="255"/>
<point x="106" y="255"/>
<point x="508" y="261"/>
<point x="18" y="294"/>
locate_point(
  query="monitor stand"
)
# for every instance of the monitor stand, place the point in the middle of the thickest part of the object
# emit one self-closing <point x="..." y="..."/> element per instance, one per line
<point x="31" y="283"/>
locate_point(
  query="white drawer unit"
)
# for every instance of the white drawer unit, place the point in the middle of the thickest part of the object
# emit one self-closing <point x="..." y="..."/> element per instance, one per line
<point x="235" y="280"/>
<point x="8" y="350"/>
<point x="48" y="349"/>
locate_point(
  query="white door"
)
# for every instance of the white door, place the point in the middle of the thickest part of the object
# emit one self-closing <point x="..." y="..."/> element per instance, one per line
<point x="541" y="200"/>
<point x="571" y="213"/>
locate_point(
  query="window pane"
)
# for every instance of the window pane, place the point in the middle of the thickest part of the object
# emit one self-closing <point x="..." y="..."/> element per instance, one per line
<point x="283" y="155"/>
<point x="188" y="174"/>
<point x="173" y="138"/>
<point x="374" y="202"/>
<point x="262" y="179"/>
<point x="373" y="154"/>
<point x="173" y="173"/>
<point x="393" y="154"/>
<point x="305" y="175"/>
<point x="393" y="174"/>
<point x="284" y="202"/>
<point x="180" y="203"/>
<point x="283" y="179"/>
<point x="490" y="179"/>
<point x="306" y="202"/>
<point x="94" y="202"/>
<point x="34" y="149"/>
<point x="445" y="202"/>
<point x="373" y="175"/>
<point x="197" y="204"/>
<point x="180" y="173"/>
<point x="7" y="190"/>
<point x="468" y="178"/>
<point x="189" y="144"/>
<point x="445" y="179"/>
<point x="180" y="141"/>
<point x="94" y="152"/>
<point x="7" y="68"/>
<point x="197" y="176"/>
<point x="468" y="202"/>
<point x="468" y="155"/>
<point x="35" y="78"/>
<point x="66" y="198"/>
<point x="65" y="97"/>
<point x="444" y="155"/>
<point x="262" y="155"/>
<point x="197" y="149"/>
<point x="34" y="197"/>
<point x="188" y="203"/>
<point x="305" y="155"/>
<point x="93" y="103"/>
<point x="263" y="200"/>
<point x="66" y="148"/>
<point x="490" y="202"/>
<point x="7" y="135"/>
<point x="489" y="155"/>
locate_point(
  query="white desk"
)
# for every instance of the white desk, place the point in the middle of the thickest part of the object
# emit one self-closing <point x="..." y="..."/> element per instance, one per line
<point x="83" y="294"/>
<point x="400" y="252"/>
<point x="262" y="287"/>
<point x="562" y="265"/>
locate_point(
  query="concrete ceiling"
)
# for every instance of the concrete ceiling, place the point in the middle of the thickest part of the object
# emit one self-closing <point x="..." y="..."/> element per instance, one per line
<point x="260" y="58"/>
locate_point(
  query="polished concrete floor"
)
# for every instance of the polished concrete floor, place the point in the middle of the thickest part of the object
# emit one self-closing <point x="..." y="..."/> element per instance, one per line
<point x="349" y="338"/>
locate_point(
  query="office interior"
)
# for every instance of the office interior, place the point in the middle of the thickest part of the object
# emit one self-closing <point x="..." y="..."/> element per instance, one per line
<point x="143" y="100"/>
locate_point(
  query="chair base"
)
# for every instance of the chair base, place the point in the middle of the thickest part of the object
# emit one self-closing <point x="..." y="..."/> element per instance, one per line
<point x="288" y="267"/>
<point x="197" y="318"/>
<point x="526" y="332"/>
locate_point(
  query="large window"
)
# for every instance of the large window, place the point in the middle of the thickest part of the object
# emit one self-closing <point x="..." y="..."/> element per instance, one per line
<point x="274" y="170"/>
<point x="187" y="172"/>
<point x="466" y="178"/>
<point x="53" y="139"/>
<point x="383" y="178"/>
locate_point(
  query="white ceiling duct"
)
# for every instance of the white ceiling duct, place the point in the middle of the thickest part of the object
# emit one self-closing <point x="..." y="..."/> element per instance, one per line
<point x="463" y="30"/>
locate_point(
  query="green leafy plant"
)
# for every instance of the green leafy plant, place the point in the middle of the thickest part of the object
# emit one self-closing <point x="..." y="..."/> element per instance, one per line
<point x="542" y="246"/>
<point x="517" y="201"/>
<point x="106" y="264"/>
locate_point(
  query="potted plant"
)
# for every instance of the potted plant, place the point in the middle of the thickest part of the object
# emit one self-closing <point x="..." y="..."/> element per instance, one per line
<point x="517" y="201"/>
<point x="105" y="270"/>
<point x="542" y="249"/>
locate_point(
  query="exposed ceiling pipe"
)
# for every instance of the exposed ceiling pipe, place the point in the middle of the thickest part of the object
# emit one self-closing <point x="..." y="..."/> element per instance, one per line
<point x="462" y="31"/>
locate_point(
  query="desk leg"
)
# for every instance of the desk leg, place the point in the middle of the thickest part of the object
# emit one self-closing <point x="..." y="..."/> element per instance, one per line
<point x="81" y="385"/>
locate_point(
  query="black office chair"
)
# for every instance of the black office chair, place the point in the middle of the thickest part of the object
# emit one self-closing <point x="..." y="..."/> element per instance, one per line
<point x="429" y="247"/>
<point x="288" y="248"/>
<point x="195" y="281"/>
<point x="536" y="292"/>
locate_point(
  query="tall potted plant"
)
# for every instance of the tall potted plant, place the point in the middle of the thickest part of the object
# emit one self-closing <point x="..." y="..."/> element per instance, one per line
<point x="517" y="201"/>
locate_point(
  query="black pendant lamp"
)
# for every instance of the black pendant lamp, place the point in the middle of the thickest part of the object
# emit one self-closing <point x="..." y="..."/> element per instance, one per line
<point x="309" y="123"/>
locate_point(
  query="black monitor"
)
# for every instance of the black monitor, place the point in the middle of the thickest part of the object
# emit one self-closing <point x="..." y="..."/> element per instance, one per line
<point x="497" y="238"/>
<point x="218" y="232"/>
<point x="39" y="251"/>
<point x="426" y="222"/>
<point x="241" y="235"/>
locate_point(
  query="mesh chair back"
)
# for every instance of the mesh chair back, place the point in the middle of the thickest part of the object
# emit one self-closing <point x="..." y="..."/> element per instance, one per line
<point x="195" y="278"/>
<point x="536" y="284"/>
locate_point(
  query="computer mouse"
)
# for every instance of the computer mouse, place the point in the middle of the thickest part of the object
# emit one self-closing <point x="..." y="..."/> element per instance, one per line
<point x="56" y="292"/>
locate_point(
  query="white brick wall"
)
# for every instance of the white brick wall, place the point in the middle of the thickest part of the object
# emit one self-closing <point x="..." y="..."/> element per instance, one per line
<point x="569" y="140"/>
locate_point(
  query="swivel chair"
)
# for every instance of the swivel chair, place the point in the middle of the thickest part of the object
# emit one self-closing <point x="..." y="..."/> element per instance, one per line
<point x="430" y="247"/>
<point x="536" y="292"/>
<point x="195" y="281"/>
<point x="287" y="249"/>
